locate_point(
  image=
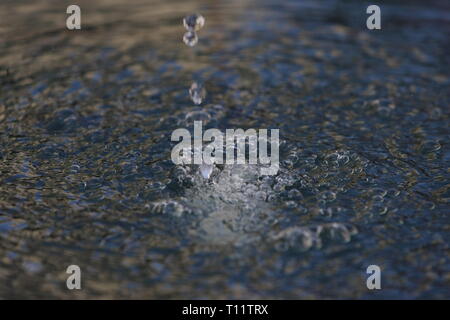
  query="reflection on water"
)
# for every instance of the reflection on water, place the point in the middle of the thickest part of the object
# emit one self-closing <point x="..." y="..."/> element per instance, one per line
<point x="86" y="119"/>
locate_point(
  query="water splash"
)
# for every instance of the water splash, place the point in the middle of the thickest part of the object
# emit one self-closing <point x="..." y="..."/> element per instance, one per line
<point x="206" y="170"/>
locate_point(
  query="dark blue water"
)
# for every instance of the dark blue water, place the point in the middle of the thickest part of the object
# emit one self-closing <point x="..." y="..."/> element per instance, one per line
<point x="86" y="177"/>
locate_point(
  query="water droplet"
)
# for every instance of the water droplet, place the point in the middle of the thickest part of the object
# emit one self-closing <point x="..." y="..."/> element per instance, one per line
<point x="194" y="22"/>
<point x="190" y="38"/>
<point x="197" y="93"/>
<point x="206" y="170"/>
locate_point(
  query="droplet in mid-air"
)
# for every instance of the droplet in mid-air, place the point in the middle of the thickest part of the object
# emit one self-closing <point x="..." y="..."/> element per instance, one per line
<point x="194" y="22"/>
<point x="197" y="93"/>
<point x="190" y="38"/>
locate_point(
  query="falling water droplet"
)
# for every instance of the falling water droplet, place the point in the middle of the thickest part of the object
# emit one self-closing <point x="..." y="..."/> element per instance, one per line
<point x="206" y="170"/>
<point x="197" y="93"/>
<point x="194" y="22"/>
<point x="190" y="38"/>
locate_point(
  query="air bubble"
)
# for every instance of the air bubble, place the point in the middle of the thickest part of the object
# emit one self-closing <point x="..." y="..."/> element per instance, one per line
<point x="166" y="207"/>
<point x="260" y="195"/>
<point x="291" y="204"/>
<point x="343" y="160"/>
<point x="297" y="237"/>
<point x="336" y="230"/>
<point x="378" y="198"/>
<point x="278" y="187"/>
<point x="379" y="192"/>
<point x="197" y="115"/>
<point x="394" y="192"/>
<point x="430" y="147"/>
<point x="378" y="208"/>
<point x="294" y="194"/>
<point x="428" y="205"/>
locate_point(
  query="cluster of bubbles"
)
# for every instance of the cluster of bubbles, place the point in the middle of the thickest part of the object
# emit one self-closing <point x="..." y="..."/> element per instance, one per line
<point x="236" y="205"/>
<point x="171" y="207"/>
<point x="305" y="238"/>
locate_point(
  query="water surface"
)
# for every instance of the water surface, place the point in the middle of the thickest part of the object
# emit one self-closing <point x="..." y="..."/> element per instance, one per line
<point x="86" y="177"/>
